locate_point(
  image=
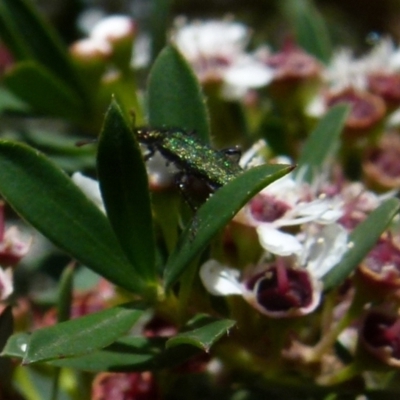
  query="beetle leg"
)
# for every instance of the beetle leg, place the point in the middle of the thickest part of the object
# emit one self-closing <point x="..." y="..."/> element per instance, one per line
<point x="181" y="181"/>
<point x="151" y="151"/>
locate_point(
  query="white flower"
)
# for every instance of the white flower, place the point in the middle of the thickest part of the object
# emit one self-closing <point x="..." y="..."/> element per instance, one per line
<point x="347" y="71"/>
<point x="216" y="51"/>
<point x="211" y="39"/>
<point x="113" y="28"/>
<point x="90" y="187"/>
<point x="287" y="202"/>
<point x="344" y="71"/>
<point x="278" y="289"/>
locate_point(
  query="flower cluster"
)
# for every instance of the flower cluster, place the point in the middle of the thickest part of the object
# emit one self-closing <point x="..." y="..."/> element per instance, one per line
<point x="286" y="266"/>
<point x="288" y="238"/>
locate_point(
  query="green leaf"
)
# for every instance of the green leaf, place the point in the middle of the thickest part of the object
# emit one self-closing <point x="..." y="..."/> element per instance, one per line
<point x="160" y="25"/>
<point x="16" y="345"/>
<point x="310" y="28"/>
<point x="125" y="190"/>
<point x="362" y="238"/>
<point x="216" y="213"/>
<point x="174" y="96"/>
<point x="82" y="335"/>
<point x="29" y="36"/>
<point x="65" y="294"/>
<point x="43" y="91"/>
<point x="61" y="148"/>
<point x="10" y="102"/>
<point x="322" y="143"/>
<point x="203" y="331"/>
<point x="48" y="199"/>
<point x="131" y="353"/>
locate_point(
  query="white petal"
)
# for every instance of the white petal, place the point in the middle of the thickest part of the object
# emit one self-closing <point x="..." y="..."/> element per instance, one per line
<point x="6" y="284"/>
<point x="113" y="27"/>
<point x="90" y="188"/>
<point x="220" y="280"/>
<point x="277" y="242"/>
<point x="327" y="250"/>
<point x="322" y="211"/>
<point x="249" y="74"/>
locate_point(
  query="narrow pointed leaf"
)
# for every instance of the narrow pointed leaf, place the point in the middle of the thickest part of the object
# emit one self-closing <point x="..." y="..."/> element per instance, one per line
<point x="131" y="353"/>
<point x="216" y="213"/>
<point x="9" y="33"/>
<point x="310" y="28"/>
<point x="65" y="294"/>
<point x="362" y="239"/>
<point x="203" y="331"/>
<point x="48" y="199"/>
<point x="43" y="91"/>
<point x="174" y="96"/>
<point x="29" y="36"/>
<point x="322" y="143"/>
<point x="125" y="190"/>
<point x="82" y="335"/>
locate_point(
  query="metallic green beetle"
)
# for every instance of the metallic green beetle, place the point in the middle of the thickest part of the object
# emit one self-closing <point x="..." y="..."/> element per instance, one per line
<point x="193" y="158"/>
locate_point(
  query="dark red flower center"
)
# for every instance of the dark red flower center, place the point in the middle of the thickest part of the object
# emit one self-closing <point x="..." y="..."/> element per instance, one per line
<point x="266" y="208"/>
<point x="281" y="289"/>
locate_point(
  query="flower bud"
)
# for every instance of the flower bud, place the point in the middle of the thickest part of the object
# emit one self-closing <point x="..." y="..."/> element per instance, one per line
<point x="91" y="57"/>
<point x="296" y="74"/>
<point x="119" y="32"/>
<point x="366" y="113"/>
<point x="381" y="164"/>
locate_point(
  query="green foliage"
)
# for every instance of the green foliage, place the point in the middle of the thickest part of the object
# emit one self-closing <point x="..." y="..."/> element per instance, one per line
<point x="28" y="79"/>
<point x="76" y="337"/>
<point x="322" y="144"/>
<point x="150" y="243"/>
<point x="59" y="210"/>
<point x="362" y="239"/>
<point x="202" y="331"/>
<point x="309" y="27"/>
<point x="124" y="188"/>
<point x="37" y="42"/>
<point x="174" y="96"/>
<point x="131" y="353"/>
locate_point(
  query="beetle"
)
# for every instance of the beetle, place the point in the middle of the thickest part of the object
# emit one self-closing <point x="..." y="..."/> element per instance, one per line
<point x="196" y="162"/>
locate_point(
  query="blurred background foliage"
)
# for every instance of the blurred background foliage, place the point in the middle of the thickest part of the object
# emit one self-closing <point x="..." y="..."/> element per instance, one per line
<point x="351" y="22"/>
